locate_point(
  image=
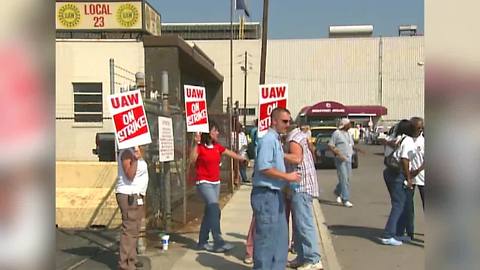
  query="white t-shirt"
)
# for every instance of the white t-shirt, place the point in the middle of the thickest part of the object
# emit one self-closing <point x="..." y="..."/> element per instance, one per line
<point x="418" y="160"/>
<point x="388" y="149"/>
<point x="141" y="177"/>
<point x="242" y="144"/>
<point x="406" y="150"/>
<point x="124" y="186"/>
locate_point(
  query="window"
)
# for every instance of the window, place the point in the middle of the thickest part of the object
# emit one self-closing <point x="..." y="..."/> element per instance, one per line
<point x="87" y="102"/>
<point x="250" y="111"/>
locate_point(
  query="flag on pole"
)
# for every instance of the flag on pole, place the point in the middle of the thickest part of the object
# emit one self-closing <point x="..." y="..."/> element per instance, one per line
<point x="240" y="4"/>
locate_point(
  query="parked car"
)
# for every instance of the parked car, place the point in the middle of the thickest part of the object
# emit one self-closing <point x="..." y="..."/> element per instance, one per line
<point x="324" y="156"/>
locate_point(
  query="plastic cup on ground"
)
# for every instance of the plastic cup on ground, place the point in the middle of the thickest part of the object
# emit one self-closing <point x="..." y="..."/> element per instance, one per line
<point x="165" y="241"/>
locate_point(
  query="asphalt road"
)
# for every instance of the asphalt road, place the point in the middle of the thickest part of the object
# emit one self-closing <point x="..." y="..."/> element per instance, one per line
<point x="355" y="231"/>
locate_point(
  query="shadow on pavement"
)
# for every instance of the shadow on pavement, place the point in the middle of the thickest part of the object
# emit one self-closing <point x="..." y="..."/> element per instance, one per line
<point x="372" y="234"/>
<point x="332" y="203"/>
<point x="186" y="242"/>
<point x="368" y="233"/>
<point x="215" y="261"/>
<point x="106" y="257"/>
<point x="238" y="235"/>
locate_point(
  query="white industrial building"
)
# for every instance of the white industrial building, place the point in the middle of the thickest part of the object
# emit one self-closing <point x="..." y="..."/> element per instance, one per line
<point x="385" y="71"/>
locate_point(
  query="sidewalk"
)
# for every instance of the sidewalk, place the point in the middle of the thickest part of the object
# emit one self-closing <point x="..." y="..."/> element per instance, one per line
<point x="98" y="249"/>
<point x="235" y="222"/>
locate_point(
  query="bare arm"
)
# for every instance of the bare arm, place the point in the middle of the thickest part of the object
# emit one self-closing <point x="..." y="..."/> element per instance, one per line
<point x="296" y="153"/>
<point x="233" y="155"/>
<point x="276" y="174"/>
<point x="405" y="168"/>
<point x="337" y="152"/>
<point x="414" y="173"/>
<point x="194" y="152"/>
<point x="129" y="165"/>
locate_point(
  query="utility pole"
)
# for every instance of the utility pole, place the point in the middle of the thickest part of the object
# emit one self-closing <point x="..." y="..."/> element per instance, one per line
<point x="263" y="59"/>
<point x="245" y="70"/>
<point x="231" y="65"/>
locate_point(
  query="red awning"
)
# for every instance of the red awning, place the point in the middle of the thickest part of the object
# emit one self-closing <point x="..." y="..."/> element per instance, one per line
<point x="327" y="108"/>
<point x="373" y="110"/>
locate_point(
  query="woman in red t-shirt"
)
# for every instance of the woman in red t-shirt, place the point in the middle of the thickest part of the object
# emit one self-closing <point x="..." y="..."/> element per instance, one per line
<point x="206" y="155"/>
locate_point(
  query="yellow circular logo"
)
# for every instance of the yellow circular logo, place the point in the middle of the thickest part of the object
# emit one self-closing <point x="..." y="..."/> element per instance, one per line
<point x="69" y="15"/>
<point x="127" y="15"/>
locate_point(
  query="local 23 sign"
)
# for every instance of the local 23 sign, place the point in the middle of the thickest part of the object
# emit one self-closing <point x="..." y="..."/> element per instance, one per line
<point x="196" y="109"/>
<point x="130" y="120"/>
<point x="271" y="96"/>
<point x="98" y="15"/>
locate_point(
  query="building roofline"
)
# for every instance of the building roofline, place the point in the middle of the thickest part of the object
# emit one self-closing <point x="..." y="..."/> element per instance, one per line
<point x="176" y="41"/>
<point x="208" y="23"/>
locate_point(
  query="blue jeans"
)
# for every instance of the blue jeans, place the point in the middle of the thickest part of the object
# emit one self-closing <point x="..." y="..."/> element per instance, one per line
<point x="243" y="171"/>
<point x="270" y="243"/>
<point x="344" y="172"/>
<point x="306" y="238"/>
<point x="211" y="215"/>
<point x="398" y="197"/>
<point x="406" y="221"/>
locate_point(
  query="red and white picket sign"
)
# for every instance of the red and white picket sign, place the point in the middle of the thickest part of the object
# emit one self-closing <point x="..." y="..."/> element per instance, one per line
<point x="196" y="108"/>
<point x="271" y="96"/>
<point x="129" y="119"/>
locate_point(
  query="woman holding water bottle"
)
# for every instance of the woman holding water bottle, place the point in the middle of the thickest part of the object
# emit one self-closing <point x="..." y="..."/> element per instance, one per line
<point x="206" y="155"/>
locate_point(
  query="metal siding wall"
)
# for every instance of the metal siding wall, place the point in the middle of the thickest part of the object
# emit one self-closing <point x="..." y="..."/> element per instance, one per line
<point x="403" y="77"/>
<point x="343" y="70"/>
<point x="339" y="69"/>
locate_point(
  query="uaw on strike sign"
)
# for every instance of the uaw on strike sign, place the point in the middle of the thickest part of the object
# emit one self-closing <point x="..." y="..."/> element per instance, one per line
<point x="130" y="120"/>
<point x="196" y="109"/>
<point x="271" y="96"/>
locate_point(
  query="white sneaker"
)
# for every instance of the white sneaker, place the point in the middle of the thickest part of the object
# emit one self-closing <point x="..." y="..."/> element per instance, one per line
<point x="348" y="204"/>
<point x="311" y="266"/>
<point x="339" y="199"/>
<point x="391" y="241"/>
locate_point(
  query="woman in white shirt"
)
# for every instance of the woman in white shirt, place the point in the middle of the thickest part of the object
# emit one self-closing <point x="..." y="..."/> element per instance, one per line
<point x="130" y="191"/>
<point x="400" y="186"/>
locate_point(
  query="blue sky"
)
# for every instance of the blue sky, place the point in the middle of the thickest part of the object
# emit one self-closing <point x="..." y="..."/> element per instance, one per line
<point x="302" y="18"/>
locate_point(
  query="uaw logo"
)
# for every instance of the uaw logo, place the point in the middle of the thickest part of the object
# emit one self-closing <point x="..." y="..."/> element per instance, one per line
<point x="69" y="15"/>
<point x="127" y="15"/>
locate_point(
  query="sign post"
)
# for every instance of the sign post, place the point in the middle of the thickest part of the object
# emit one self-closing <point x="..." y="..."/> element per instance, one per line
<point x="165" y="139"/>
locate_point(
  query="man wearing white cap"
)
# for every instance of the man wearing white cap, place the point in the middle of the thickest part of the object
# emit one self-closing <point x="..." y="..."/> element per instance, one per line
<point x="342" y="145"/>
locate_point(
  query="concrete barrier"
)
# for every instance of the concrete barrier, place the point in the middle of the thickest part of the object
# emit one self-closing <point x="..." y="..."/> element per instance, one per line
<point x="85" y="194"/>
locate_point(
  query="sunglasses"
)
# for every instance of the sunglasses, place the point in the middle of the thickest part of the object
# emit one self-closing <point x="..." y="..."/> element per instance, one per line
<point x="286" y="121"/>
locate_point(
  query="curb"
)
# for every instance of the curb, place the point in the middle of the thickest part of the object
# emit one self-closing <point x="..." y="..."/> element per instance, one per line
<point x="329" y="259"/>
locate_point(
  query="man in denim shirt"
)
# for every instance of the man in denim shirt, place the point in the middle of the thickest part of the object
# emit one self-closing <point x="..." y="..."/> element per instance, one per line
<point x="271" y="235"/>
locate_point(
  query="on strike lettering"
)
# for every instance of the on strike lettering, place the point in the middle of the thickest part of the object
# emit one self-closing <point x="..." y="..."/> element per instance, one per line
<point x="133" y="127"/>
<point x="265" y="123"/>
<point x="273" y="92"/>
<point x="192" y="119"/>
<point x="124" y="101"/>
<point x="194" y="93"/>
